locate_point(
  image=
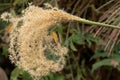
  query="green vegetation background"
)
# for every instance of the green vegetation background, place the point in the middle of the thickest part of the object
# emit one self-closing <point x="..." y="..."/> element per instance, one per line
<point x="90" y="57"/>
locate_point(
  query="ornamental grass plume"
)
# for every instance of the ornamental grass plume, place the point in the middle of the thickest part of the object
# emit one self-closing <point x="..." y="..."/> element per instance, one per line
<point x="32" y="48"/>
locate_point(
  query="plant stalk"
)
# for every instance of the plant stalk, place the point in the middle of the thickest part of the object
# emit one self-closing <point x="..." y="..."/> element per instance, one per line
<point x="96" y="23"/>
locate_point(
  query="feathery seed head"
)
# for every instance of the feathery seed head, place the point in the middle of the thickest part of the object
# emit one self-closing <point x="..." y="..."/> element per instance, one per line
<point x="32" y="48"/>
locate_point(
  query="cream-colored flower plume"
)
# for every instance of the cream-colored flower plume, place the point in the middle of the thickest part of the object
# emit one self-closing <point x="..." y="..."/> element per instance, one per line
<point x="32" y="48"/>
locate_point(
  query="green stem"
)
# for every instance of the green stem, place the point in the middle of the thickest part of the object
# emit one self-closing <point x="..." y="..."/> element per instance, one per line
<point x="96" y="23"/>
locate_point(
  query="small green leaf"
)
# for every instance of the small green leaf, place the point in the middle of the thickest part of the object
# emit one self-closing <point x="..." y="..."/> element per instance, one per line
<point x="59" y="77"/>
<point x="105" y="62"/>
<point x="26" y="76"/>
<point x="90" y="39"/>
<point x="46" y="78"/>
<point x="72" y="46"/>
<point x="51" y="76"/>
<point x="5" y="51"/>
<point x="99" y="55"/>
<point x="78" y="40"/>
<point x="51" y="56"/>
<point x="15" y="73"/>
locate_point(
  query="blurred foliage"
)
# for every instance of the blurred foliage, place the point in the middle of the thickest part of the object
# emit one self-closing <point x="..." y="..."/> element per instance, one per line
<point x="87" y="60"/>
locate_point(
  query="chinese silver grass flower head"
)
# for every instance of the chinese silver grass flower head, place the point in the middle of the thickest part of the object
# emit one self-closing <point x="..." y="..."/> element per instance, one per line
<point x="32" y="47"/>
